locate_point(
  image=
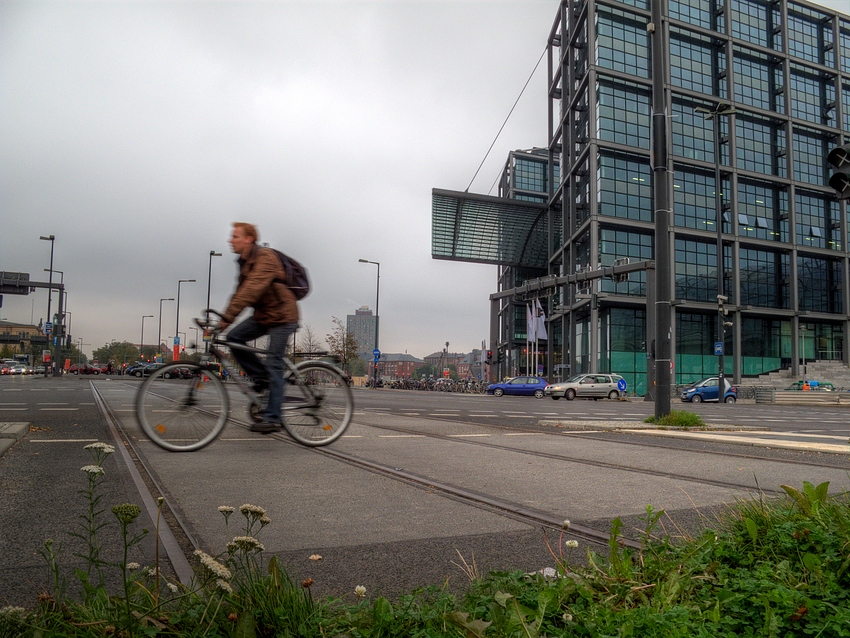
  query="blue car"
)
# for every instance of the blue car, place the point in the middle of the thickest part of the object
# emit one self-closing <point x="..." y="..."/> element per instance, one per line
<point x="707" y="390"/>
<point x="527" y="386"/>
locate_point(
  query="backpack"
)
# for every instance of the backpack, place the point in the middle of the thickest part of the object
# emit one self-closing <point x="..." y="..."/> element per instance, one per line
<point x="296" y="275"/>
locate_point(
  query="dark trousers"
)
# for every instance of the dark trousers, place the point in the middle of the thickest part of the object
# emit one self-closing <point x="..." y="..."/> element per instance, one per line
<point x="272" y="371"/>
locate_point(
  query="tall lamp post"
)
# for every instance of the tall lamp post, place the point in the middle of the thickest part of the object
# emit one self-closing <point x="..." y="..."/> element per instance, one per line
<point x="51" y="239"/>
<point x="159" y="330"/>
<point x="377" y="315"/>
<point x="142" y="338"/>
<point x="177" y="327"/>
<point x="714" y="116"/>
<point x="209" y="284"/>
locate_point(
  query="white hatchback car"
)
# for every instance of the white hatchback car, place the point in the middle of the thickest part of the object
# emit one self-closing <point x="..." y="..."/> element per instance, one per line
<point x="592" y="386"/>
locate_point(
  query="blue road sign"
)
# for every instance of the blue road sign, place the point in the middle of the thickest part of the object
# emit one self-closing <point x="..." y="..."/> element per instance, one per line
<point x="621" y="385"/>
<point x="48" y="327"/>
<point x="718" y="348"/>
<point x="376" y="353"/>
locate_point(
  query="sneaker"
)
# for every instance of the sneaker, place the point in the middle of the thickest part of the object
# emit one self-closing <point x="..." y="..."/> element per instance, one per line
<point x="266" y="427"/>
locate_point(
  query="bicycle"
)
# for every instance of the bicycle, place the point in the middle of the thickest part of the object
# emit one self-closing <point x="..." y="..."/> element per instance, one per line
<point x="184" y="406"/>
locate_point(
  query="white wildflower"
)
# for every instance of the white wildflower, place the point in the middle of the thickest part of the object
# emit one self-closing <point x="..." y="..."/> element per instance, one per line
<point x="94" y="470"/>
<point x="212" y="565"/>
<point x="252" y="511"/>
<point x="264" y="520"/>
<point x="360" y="591"/>
<point x="133" y="566"/>
<point x="223" y="585"/>
<point x="152" y="572"/>
<point x="105" y="448"/>
<point x="567" y="617"/>
<point x="173" y="588"/>
<point x="246" y="544"/>
<point x="571" y="544"/>
<point x="565" y="524"/>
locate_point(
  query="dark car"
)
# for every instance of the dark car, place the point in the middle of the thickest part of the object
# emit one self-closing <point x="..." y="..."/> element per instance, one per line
<point x="708" y="390"/>
<point x="525" y="386"/>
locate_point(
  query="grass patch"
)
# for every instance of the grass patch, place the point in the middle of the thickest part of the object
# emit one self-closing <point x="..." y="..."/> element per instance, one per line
<point x="679" y="419"/>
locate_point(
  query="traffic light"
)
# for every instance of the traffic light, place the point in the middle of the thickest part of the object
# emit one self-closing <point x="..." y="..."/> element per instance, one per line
<point x="839" y="157"/>
<point x="489" y="358"/>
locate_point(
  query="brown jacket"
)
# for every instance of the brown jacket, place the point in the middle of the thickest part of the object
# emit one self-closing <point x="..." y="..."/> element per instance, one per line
<point x="261" y="287"/>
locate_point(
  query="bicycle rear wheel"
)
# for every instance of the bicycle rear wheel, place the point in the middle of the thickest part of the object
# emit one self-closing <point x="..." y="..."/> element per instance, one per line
<point x="182" y="407"/>
<point x="318" y="404"/>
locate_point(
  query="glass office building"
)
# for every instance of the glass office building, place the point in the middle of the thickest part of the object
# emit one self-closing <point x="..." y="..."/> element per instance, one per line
<point x="757" y="92"/>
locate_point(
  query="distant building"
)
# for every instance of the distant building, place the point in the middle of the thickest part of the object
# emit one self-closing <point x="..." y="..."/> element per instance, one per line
<point x="20" y="337"/>
<point x="444" y="359"/>
<point x="398" y="366"/>
<point x="362" y="325"/>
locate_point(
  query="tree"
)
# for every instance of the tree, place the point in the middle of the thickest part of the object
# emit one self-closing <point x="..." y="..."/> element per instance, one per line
<point x="342" y="345"/>
<point x="308" y="340"/>
<point x="120" y="352"/>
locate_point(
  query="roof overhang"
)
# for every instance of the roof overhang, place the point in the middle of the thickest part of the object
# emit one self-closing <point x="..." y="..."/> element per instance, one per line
<point x="488" y="230"/>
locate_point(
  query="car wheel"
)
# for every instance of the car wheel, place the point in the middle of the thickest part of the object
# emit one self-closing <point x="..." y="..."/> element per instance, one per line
<point x="697" y="398"/>
<point x="570" y="394"/>
<point x="614" y="394"/>
<point x="498" y="392"/>
<point x="730" y="399"/>
<point x="167" y="375"/>
<point x="538" y="394"/>
<point x="96" y="372"/>
<point x="137" y="374"/>
<point x="77" y="372"/>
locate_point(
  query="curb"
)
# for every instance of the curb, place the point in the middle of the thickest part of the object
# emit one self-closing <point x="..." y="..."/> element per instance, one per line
<point x="640" y="425"/>
<point x="11" y="432"/>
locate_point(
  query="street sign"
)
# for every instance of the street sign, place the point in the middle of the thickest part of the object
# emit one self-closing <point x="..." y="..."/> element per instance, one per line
<point x="15" y="283"/>
<point x="718" y="348"/>
<point x="376" y="353"/>
<point x="48" y="327"/>
<point x="621" y="385"/>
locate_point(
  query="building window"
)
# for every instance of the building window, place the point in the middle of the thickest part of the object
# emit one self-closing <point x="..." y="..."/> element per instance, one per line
<point x="618" y="244"/>
<point x="694" y="199"/>
<point x="694" y="64"/>
<point x="753" y="21"/>
<point x="757" y="81"/>
<point x="818" y="222"/>
<point x="819" y="284"/>
<point x="845" y="100"/>
<point x="696" y="12"/>
<point x="696" y="271"/>
<point x="622" y="42"/>
<point x="765" y="278"/>
<point x="844" y="42"/>
<point x="808" y="35"/>
<point x="625" y="187"/>
<point x="624" y="114"/>
<point x="530" y="175"/>
<point x="810" y="151"/>
<point x="810" y="94"/>
<point x="761" y="146"/>
<point x="693" y="135"/>
<point x="767" y="205"/>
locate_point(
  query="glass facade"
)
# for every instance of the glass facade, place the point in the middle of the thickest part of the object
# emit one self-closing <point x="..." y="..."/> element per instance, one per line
<point x="781" y="72"/>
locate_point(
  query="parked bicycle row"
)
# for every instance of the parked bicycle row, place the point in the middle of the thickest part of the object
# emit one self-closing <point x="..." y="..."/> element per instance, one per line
<point x="467" y="386"/>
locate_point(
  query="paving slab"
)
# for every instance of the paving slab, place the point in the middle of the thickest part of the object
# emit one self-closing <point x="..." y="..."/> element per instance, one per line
<point x="13" y="429"/>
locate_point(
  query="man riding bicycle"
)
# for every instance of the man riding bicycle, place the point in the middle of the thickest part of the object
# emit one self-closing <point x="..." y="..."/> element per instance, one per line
<point x="261" y="286"/>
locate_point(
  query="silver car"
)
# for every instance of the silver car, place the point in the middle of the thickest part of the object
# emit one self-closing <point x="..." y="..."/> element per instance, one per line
<point x="592" y="386"/>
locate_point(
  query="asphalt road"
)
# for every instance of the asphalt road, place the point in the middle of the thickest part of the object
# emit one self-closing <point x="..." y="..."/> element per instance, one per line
<point x="395" y="529"/>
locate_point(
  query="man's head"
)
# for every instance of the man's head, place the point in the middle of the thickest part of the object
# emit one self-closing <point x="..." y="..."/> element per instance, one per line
<point x="243" y="238"/>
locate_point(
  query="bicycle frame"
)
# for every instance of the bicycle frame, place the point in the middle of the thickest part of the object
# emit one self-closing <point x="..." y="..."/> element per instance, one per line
<point x="243" y="383"/>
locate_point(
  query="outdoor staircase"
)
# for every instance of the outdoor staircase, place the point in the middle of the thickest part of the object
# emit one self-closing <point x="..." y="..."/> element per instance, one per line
<point x="834" y="372"/>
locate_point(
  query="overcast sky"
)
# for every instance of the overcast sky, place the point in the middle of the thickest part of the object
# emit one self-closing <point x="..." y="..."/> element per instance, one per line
<point x="137" y="131"/>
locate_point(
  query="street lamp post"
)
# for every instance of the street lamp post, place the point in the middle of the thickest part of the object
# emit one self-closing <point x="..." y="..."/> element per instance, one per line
<point x="377" y="315"/>
<point x="177" y="324"/>
<point x="209" y="284"/>
<point x="159" y="329"/>
<point x="142" y="338"/>
<point x="51" y="239"/>
<point x="714" y="116"/>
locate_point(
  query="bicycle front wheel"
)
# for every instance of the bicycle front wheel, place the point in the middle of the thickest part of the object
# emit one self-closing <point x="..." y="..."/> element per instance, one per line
<point x="182" y="407"/>
<point x="318" y="404"/>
